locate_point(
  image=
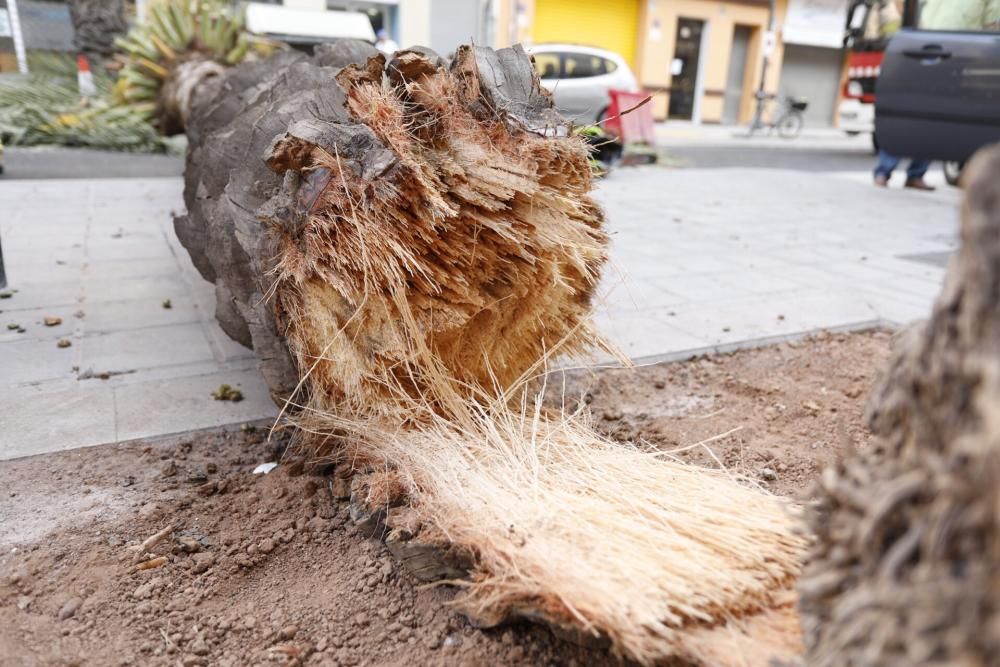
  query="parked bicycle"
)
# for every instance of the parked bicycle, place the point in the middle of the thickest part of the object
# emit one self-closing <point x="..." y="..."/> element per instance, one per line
<point x="789" y="119"/>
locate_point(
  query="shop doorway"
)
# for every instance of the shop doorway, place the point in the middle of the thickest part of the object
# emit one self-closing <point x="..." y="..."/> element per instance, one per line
<point x="685" y="68"/>
<point x="737" y="75"/>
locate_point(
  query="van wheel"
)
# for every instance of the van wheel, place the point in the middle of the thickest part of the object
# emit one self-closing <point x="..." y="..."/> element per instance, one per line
<point x="602" y="116"/>
<point x="953" y="172"/>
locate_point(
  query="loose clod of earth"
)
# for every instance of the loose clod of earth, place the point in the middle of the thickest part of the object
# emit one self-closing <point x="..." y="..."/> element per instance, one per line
<point x="13" y="326"/>
<point x="52" y="321"/>
<point x="6" y="295"/>
<point x="167" y="304"/>
<point x="227" y="393"/>
<point x="64" y="342"/>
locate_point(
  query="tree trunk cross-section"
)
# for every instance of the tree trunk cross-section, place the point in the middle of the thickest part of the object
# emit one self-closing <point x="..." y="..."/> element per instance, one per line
<point x="248" y="131"/>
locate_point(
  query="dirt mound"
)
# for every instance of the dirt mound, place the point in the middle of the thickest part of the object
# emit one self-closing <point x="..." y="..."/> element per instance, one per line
<point x="258" y="569"/>
<point x="269" y="568"/>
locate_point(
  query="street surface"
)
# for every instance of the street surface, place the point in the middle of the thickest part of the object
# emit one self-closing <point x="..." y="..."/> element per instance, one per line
<point x="704" y="258"/>
<point x="46" y="162"/>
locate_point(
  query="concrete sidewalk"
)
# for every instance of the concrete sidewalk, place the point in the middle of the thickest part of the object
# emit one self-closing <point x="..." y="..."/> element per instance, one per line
<point x="102" y="256"/>
<point x="702" y="259"/>
<point x="709" y="259"/>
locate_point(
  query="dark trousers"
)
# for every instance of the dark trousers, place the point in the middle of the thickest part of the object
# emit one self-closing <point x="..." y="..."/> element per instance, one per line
<point x="887" y="163"/>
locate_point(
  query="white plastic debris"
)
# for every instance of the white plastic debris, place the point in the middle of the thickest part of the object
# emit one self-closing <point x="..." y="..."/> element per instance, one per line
<point x="265" y="468"/>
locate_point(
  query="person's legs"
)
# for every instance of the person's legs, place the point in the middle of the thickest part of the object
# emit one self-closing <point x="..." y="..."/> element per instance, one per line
<point x="917" y="169"/>
<point x="915" y="175"/>
<point x="887" y="163"/>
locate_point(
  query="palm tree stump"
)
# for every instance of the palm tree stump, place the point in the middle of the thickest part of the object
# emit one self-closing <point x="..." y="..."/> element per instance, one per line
<point x="905" y="568"/>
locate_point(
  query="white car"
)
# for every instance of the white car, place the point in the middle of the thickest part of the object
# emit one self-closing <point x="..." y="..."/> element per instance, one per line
<point x="580" y="78"/>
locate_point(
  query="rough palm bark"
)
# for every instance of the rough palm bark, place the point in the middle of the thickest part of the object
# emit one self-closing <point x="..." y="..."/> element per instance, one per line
<point x="905" y="569"/>
<point x="234" y="119"/>
<point x="96" y="23"/>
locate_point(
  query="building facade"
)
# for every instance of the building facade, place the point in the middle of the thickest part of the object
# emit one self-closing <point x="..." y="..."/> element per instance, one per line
<point x="439" y="24"/>
<point x="703" y="60"/>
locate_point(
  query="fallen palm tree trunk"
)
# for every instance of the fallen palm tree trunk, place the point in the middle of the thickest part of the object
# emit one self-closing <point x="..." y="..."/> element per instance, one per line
<point x="906" y="565"/>
<point x="404" y="245"/>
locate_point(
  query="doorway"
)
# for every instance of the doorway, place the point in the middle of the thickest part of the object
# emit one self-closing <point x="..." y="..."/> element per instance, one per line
<point x="737" y="75"/>
<point x="813" y="73"/>
<point x="684" y="69"/>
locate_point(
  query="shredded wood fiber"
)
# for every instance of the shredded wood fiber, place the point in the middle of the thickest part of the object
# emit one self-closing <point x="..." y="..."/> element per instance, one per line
<point x="432" y="244"/>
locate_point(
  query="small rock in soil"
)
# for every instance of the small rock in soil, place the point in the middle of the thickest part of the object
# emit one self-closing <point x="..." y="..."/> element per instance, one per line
<point x="70" y="608"/>
<point x="202" y="561"/>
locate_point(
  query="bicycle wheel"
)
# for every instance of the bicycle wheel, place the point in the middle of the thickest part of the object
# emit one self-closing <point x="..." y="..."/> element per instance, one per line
<point x="790" y="125"/>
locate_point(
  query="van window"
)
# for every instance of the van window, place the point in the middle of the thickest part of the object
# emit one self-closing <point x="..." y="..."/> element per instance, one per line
<point x="960" y="15"/>
<point x="547" y="65"/>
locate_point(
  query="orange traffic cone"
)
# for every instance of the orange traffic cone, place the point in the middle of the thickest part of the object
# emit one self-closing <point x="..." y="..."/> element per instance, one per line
<point x="84" y="78"/>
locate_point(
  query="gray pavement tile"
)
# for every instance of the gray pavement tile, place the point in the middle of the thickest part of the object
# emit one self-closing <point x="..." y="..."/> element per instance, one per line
<point x="103" y="317"/>
<point x="646" y="333"/>
<point x="28" y="295"/>
<point x="696" y="288"/>
<point x="629" y="295"/>
<point x="37" y="420"/>
<point x="145" y="348"/>
<point x="728" y="322"/>
<point x="117" y="269"/>
<point x="32" y="320"/>
<point x="116" y="249"/>
<point x="42" y="271"/>
<point x="34" y="361"/>
<point x="754" y="281"/>
<point x="182" y="404"/>
<point x="895" y="308"/>
<point x="154" y="289"/>
<point x="225" y="348"/>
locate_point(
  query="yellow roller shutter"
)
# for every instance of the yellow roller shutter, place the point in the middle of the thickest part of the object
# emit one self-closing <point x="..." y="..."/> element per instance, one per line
<point x="607" y="24"/>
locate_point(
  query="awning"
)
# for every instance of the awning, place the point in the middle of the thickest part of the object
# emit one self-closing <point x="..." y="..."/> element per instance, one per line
<point x="815" y="23"/>
<point x="307" y="26"/>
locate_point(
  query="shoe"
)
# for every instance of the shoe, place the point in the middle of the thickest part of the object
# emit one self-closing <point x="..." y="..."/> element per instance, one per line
<point x="881" y="181"/>
<point x="919" y="184"/>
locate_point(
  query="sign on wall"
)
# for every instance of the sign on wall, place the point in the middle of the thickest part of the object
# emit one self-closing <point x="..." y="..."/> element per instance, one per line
<point x="815" y="23"/>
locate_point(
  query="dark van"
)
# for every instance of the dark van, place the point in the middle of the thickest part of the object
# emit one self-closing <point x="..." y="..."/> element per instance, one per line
<point x="938" y="96"/>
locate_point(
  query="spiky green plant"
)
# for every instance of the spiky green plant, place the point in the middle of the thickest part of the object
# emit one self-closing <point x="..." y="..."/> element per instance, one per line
<point x="47" y="108"/>
<point x="180" y="45"/>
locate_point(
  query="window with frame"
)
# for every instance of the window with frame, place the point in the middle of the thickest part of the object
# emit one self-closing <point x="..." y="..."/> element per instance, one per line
<point x="582" y="65"/>
<point x="547" y="65"/>
<point x="960" y="15"/>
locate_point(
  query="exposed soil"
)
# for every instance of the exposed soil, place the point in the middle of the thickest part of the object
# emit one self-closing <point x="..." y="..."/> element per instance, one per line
<point x="268" y="568"/>
<point x="777" y="414"/>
